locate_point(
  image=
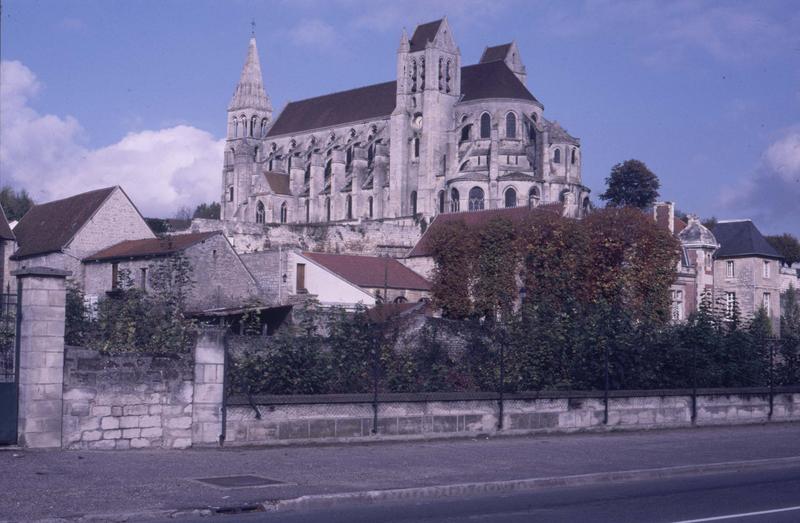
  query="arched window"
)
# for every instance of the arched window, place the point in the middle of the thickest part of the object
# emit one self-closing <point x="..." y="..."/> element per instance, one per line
<point x="348" y="159"/>
<point x="441" y="74"/>
<point x="400" y="299"/>
<point x="263" y="128"/>
<point x="416" y="147"/>
<point x="511" y="197"/>
<point x="235" y="127"/>
<point x="370" y="154"/>
<point x="466" y="133"/>
<point x="413" y="202"/>
<point x="475" y="199"/>
<point x="557" y="156"/>
<point x="230" y="193"/>
<point x="574" y="156"/>
<point x="422" y="74"/>
<point x="486" y="125"/>
<point x="328" y="173"/>
<point x="308" y="211"/>
<point x="531" y="132"/>
<point x="349" y="207"/>
<point x="253" y="121"/>
<point x="441" y="202"/>
<point x="261" y="213"/>
<point x="327" y="209"/>
<point x="511" y="125"/>
<point x="369" y="202"/>
<point x="454" y="204"/>
<point x="447" y="75"/>
<point x="413" y="76"/>
<point x="533" y="197"/>
<point x="307" y="175"/>
<point x="284" y="212"/>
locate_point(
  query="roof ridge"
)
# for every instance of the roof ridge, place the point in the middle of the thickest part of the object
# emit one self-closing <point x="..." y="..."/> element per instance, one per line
<point x="340" y="92"/>
<point x="93" y="191"/>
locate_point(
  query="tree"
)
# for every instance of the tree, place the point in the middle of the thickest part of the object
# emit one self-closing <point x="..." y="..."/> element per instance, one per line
<point x="631" y="184"/>
<point x="209" y="211"/>
<point x="710" y="223"/>
<point x="184" y="213"/>
<point x="787" y="246"/>
<point x="15" y="203"/>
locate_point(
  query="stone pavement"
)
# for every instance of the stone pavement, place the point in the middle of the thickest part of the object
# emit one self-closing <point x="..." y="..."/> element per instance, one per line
<point x="71" y="484"/>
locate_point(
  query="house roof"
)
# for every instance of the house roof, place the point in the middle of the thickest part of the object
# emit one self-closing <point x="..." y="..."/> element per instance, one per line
<point x="473" y="219"/>
<point x="741" y="238"/>
<point x="49" y="227"/>
<point x="278" y="182"/>
<point x="5" y="229"/>
<point x="494" y="53"/>
<point x="150" y="247"/>
<point x="370" y="271"/>
<point x="423" y="34"/>
<point x="479" y="81"/>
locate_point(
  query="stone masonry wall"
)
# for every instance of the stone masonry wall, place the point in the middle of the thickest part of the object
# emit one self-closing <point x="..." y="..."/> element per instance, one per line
<point x="287" y="423"/>
<point x="126" y="400"/>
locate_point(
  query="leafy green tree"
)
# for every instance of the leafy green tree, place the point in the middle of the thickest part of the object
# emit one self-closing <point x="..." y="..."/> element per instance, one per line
<point x="631" y="184"/>
<point x="787" y="246"/>
<point x="15" y="203"/>
<point x="789" y="369"/>
<point x="210" y="211"/>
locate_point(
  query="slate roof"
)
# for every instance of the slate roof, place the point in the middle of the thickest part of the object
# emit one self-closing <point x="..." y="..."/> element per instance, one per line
<point x="49" y="227"/>
<point x="278" y="182"/>
<point x="370" y="271"/>
<point x="150" y="247"/>
<point x="741" y="238"/>
<point x="475" y="219"/>
<point x="5" y="230"/>
<point x="478" y="81"/>
<point x="497" y="52"/>
<point x="558" y="134"/>
<point x="423" y="34"/>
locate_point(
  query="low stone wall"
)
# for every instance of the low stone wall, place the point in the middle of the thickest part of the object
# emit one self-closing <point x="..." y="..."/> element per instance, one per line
<point x="350" y="417"/>
<point x="126" y="400"/>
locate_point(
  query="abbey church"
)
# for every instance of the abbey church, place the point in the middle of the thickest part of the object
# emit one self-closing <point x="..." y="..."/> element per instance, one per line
<point x="442" y="137"/>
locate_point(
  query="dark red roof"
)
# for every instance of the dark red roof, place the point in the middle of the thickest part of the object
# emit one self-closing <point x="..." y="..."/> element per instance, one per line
<point x="474" y="219"/>
<point x="479" y="81"/>
<point x="150" y="247"/>
<point x="423" y="34"/>
<point x="278" y="182"/>
<point x="5" y="229"/>
<point x="50" y="227"/>
<point x="492" y="54"/>
<point x="370" y="271"/>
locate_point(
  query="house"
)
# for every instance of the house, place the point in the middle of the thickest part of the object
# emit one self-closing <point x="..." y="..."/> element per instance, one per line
<point x="8" y="244"/>
<point x="349" y="280"/>
<point x="61" y="233"/>
<point x="221" y="278"/>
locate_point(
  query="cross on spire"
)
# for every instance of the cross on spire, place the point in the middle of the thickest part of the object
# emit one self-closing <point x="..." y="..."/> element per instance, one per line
<point x="253" y="27"/>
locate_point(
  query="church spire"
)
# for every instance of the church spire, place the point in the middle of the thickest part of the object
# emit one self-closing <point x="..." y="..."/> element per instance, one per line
<point x="404" y="45"/>
<point x="250" y="93"/>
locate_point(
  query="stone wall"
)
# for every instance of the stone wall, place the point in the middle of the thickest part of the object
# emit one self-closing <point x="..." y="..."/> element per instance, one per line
<point x="126" y="400"/>
<point x="303" y="419"/>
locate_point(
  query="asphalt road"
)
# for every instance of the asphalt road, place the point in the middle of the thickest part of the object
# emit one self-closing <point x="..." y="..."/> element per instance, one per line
<point x="752" y="497"/>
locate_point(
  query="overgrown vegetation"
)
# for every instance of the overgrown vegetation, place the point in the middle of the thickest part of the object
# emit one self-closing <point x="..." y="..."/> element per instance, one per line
<point x="15" y="203"/>
<point x="129" y="319"/>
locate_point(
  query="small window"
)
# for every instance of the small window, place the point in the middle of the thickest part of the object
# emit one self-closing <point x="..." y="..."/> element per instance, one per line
<point x="413" y="203"/>
<point x="730" y="269"/>
<point x="416" y="147"/>
<point x="574" y="156"/>
<point x="511" y="197"/>
<point x="765" y="302"/>
<point x="486" y="125"/>
<point x="284" y="212"/>
<point x="261" y="213"/>
<point x="230" y="193"/>
<point x="349" y="207"/>
<point x="369" y="201"/>
<point x="466" y="133"/>
<point x="511" y="125"/>
<point x="557" y="156"/>
<point x="454" y="204"/>
<point x="766" y="269"/>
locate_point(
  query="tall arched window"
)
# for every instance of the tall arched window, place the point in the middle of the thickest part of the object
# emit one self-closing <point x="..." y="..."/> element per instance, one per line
<point x="369" y="202"/>
<point x="441" y="202"/>
<point x="253" y="121"/>
<point x="235" y="127"/>
<point x="441" y="74"/>
<point x="349" y="207"/>
<point x="454" y="204"/>
<point x="263" y="128"/>
<point x="413" y="202"/>
<point x="422" y="74"/>
<point x="533" y="197"/>
<point x="284" y="212"/>
<point x="230" y="193"/>
<point x="328" y="172"/>
<point x="416" y="147"/>
<point x="348" y="159"/>
<point x="511" y="197"/>
<point x="574" y="155"/>
<point x="289" y="165"/>
<point x="466" y="133"/>
<point x="327" y="209"/>
<point x="261" y="213"/>
<point x="370" y="155"/>
<point x="413" y="76"/>
<point x="486" y="125"/>
<point x="511" y="125"/>
<point x="447" y="75"/>
<point x="557" y="156"/>
<point x="475" y="199"/>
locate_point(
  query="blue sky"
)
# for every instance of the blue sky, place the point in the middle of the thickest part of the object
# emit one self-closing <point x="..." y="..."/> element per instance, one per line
<point x="706" y="93"/>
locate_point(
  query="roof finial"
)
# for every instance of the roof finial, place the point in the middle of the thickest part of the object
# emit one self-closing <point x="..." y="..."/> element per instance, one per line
<point x="253" y="28"/>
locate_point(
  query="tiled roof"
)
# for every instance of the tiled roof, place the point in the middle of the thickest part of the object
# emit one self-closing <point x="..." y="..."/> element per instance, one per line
<point x="741" y="238"/>
<point x="150" y="247"/>
<point x="474" y="219"/>
<point x="50" y="227"/>
<point x="278" y="182"/>
<point x="370" y="271"/>
<point x="5" y="229"/>
<point x="423" y="34"/>
<point x="497" y="52"/>
<point x="479" y="81"/>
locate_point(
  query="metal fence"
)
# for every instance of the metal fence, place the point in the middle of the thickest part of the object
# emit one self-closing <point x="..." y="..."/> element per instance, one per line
<point x="8" y="328"/>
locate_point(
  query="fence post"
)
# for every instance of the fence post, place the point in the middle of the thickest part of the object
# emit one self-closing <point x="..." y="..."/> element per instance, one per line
<point x="41" y="294"/>
<point x="209" y="385"/>
<point x="771" y="343"/>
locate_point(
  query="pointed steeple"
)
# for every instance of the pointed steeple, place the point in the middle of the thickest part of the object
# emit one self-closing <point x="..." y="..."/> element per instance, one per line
<point x="250" y="93"/>
<point x="404" y="45"/>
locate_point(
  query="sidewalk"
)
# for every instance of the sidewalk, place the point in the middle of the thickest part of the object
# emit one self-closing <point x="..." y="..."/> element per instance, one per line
<point x="70" y="484"/>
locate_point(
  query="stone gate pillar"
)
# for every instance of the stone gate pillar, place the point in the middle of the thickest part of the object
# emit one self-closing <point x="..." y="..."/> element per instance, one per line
<point x="42" y="295"/>
<point x="209" y="382"/>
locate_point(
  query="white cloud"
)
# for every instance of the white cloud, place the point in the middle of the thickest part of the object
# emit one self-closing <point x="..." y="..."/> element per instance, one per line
<point x="161" y="170"/>
<point x="314" y="32"/>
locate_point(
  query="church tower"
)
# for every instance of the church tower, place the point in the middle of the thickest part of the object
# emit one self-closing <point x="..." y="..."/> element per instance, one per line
<point x="422" y="140"/>
<point x="249" y="118"/>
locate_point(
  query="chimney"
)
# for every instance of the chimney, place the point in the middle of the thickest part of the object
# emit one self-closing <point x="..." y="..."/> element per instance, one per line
<point x="664" y="215"/>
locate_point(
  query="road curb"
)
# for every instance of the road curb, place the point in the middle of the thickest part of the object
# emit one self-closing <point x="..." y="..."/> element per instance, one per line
<point x="367" y="497"/>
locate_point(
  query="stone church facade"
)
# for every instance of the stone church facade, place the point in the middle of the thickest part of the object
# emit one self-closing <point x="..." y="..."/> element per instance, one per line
<point x="440" y="138"/>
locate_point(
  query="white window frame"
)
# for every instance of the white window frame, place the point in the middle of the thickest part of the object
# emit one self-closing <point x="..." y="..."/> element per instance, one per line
<point x="765" y="302"/>
<point x="766" y="269"/>
<point x="730" y="269"/>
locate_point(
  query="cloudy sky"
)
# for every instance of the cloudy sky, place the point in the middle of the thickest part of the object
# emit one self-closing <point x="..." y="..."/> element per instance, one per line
<point x="96" y="93"/>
